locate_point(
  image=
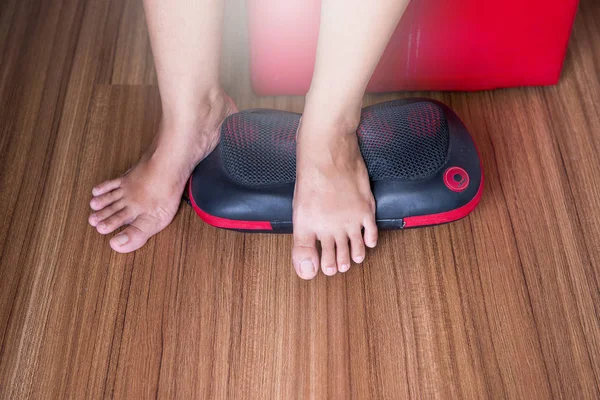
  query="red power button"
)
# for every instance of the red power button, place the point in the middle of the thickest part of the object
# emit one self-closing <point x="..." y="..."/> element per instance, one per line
<point x="456" y="179"/>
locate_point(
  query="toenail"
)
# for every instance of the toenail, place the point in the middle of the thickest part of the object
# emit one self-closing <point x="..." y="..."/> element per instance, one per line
<point x="121" y="239"/>
<point x="359" y="259"/>
<point x="344" y="267"/>
<point x="102" y="226"/>
<point x="306" y="267"/>
<point x="330" y="270"/>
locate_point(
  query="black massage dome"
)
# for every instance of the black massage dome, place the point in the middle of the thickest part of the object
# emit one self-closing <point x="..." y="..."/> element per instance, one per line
<point x="422" y="162"/>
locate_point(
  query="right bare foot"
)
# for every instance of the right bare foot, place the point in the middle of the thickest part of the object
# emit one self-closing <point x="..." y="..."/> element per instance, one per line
<point x="333" y="202"/>
<point x="147" y="196"/>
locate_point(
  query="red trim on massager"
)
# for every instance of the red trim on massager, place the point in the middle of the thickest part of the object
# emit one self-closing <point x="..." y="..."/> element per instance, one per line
<point x="448" y="216"/>
<point x="219" y="222"/>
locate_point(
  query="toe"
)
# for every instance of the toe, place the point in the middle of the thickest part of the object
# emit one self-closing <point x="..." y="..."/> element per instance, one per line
<point x="370" y="235"/>
<point x="98" y="203"/>
<point x="106" y="187"/>
<point x="129" y="240"/>
<point x="328" y="264"/>
<point x="305" y="256"/>
<point x="118" y="219"/>
<point x="135" y="235"/>
<point x="106" y="212"/>
<point x="343" y="254"/>
<point x="357" y="247"/>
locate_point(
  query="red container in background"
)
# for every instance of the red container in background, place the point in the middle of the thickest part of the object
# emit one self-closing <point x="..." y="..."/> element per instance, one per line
<point x="439" y="45"/>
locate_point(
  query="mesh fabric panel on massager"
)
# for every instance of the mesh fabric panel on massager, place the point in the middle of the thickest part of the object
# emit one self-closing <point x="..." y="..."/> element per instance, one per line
<point x="398" y="142"/>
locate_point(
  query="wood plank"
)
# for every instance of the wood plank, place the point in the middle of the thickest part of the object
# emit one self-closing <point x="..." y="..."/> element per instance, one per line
<point x="32" y="93"/>
<point x="549" y="239"/>
<point x="576" y="124"/>
<point x="501" y="304"/>
<point x="78" y="35"/>
<point x="132" y="64"/>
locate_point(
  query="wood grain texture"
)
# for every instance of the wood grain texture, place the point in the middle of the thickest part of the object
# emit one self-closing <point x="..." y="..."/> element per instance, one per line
<point x="502" y="304"/>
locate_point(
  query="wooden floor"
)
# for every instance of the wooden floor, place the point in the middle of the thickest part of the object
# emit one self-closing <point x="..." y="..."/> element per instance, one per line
<point x="505" y="303"/>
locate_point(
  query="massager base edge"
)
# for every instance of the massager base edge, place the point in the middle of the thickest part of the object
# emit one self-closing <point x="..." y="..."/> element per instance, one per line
<point x="383" y="224"/>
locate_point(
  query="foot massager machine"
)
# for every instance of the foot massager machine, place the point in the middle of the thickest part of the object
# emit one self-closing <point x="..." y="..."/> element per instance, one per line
<point x="423" y="166"/>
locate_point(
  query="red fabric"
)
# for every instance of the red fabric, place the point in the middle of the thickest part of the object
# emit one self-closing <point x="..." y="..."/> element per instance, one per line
<point x="438" y="45"/>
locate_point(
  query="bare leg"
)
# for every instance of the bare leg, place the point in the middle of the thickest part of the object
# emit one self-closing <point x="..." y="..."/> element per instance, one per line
<point x="186" y="42"/>
<point x="333" y="200"/>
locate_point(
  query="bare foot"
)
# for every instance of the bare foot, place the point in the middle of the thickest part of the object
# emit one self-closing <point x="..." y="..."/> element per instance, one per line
<point x="333" y="200"/>
<point x="147" y="196"/>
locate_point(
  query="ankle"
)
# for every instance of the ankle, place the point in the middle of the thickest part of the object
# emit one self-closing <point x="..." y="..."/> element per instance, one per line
<point x="332" y="113"/>
<point x="190" y="113"/>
